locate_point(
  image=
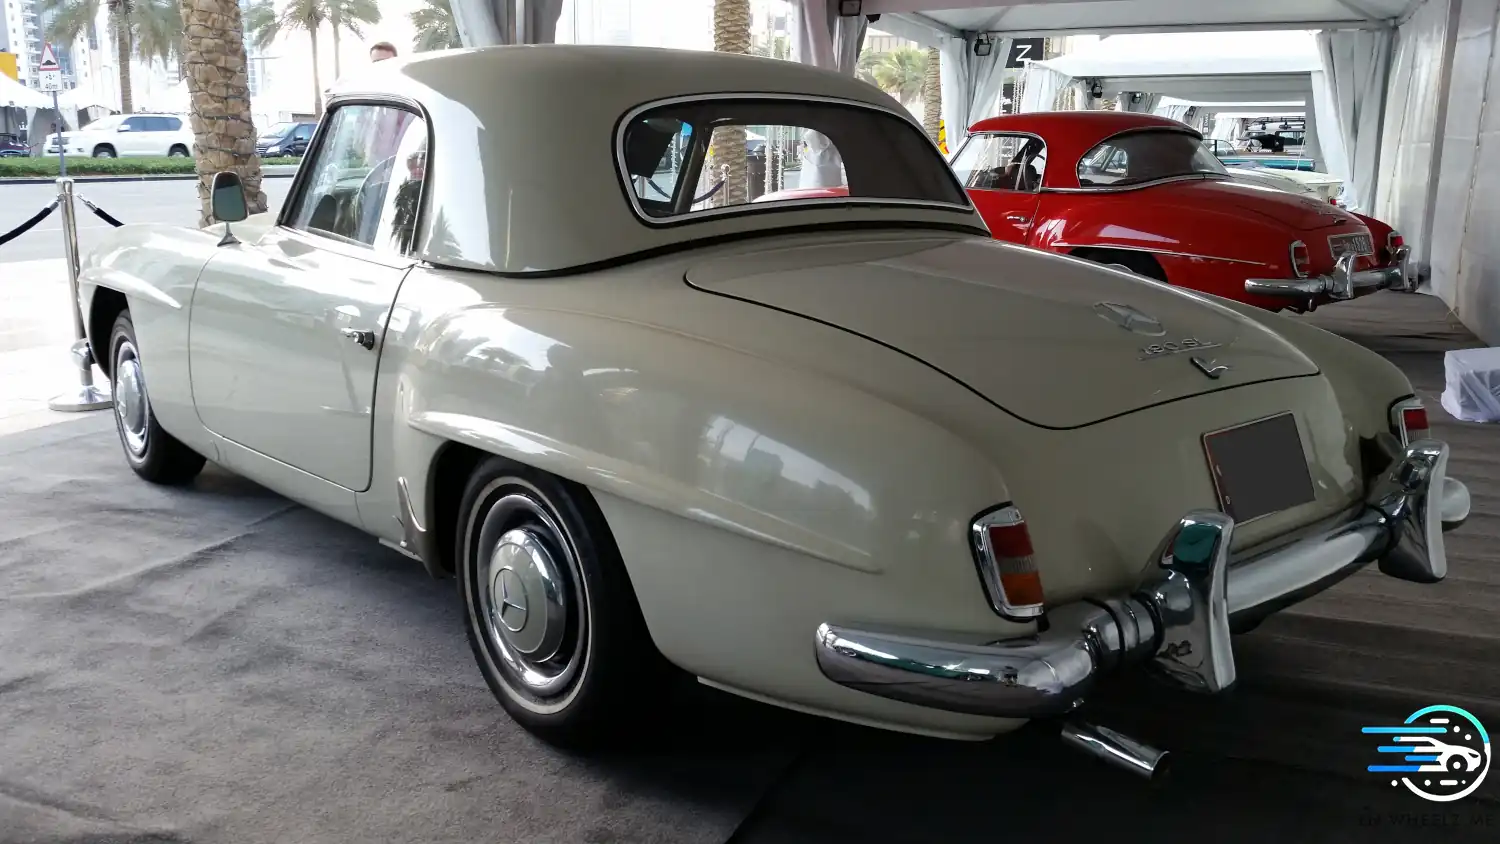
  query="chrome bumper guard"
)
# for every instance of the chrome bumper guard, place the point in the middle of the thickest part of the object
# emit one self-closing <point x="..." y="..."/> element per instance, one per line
<point x="1343" y="283"/>
<point x="1179" y="626"/>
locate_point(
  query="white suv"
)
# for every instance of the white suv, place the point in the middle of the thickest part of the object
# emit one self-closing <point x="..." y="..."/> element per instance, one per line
<point x="129" y="135"/>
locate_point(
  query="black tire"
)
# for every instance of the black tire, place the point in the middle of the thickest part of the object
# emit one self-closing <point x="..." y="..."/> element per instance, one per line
<point x="153" y="453"/>
<point x="104" y="151"/>
<point x="178" y="151"/>
<point x="1137" y="262"/>
<point x="591" y="663"/>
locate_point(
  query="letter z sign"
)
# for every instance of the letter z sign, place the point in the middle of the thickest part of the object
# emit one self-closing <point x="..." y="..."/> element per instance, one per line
<point x="1023" y="50"/>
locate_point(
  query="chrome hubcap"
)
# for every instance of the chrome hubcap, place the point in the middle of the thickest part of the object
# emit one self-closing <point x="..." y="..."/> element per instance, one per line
<point x="530" y="608"/>
<point x="132" y="407"/>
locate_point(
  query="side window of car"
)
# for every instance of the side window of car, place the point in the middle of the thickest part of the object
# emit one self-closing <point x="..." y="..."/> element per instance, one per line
<point x="998" y="161"/>
<point x="303" y="132"/>
<point x="365" y="177"/>
<point x="136" y="124"/>
<point x="170" y="124"/>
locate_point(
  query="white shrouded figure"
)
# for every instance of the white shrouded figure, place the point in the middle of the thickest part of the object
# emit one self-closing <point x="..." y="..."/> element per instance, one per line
<point x="822" y="167"/>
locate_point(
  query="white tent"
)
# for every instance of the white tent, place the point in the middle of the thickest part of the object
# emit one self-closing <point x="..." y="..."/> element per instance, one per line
<point x="15" y="95"/>
<point x="1058" y="17"/>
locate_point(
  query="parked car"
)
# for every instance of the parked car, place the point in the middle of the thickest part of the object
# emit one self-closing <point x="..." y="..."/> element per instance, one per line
<point x="1258" y="171"/>
<point x="13" y="146"/>
<point x="125" y="135"/>
<point x="285" y="139"/>
<point x="1140" y="192"/>
<point x="848" y="455"/>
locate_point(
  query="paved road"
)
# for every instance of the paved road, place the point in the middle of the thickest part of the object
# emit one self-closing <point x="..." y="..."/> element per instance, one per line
<point x="173" y="201"/>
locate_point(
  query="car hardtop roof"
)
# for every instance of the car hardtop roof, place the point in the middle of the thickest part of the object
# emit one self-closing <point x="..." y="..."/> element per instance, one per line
<point x="1095" y="124"/>
<point x="522" y="171"/>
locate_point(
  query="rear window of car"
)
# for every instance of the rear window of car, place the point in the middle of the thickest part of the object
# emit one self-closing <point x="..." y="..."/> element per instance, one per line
<point x="1140" y="156"/>
<point x="714" y="156"/>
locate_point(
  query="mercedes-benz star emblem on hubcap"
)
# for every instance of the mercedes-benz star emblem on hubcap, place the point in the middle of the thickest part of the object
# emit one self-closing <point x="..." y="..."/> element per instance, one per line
<point x="1130" y="319"/>
<point x="512" y="603"/>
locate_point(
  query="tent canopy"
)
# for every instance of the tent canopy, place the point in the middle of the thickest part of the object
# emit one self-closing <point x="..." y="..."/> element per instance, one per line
<point x="1057" y="17"/>
<point x="15" y="95"/>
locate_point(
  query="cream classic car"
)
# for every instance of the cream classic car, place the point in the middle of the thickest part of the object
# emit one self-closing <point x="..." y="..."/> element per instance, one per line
<point x="850" y="456"/>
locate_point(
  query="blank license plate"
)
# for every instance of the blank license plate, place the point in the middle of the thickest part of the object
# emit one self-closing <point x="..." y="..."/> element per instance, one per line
<point x="1259" y="468"/>
<point x="1342" y="244"/>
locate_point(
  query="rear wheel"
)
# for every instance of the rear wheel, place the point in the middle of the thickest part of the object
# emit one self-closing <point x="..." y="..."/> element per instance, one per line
<point x="178" y="151"/>
<point x="550" y="612"/>
<point x="1139" y="263"/>
<point x="104" y="151"/>
<point x="153" y="453"/>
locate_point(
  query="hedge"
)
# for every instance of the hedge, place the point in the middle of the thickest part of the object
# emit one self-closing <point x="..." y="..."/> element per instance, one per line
<point x="46" y="167"/>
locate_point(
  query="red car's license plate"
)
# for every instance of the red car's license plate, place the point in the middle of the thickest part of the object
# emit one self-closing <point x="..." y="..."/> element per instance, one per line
<point x="1259" y="468"/>
<point x="1343" y="244"/>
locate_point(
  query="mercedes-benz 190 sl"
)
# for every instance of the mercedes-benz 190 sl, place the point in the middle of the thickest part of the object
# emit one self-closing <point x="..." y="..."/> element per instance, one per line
<point x="851" y="456"/>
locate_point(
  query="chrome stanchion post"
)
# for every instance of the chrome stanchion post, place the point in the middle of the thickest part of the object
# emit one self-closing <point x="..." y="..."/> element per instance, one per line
<point x="87" y="396"/>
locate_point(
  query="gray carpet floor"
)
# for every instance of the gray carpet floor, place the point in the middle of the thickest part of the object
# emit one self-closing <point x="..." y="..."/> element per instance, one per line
<point x="215" y="664"/>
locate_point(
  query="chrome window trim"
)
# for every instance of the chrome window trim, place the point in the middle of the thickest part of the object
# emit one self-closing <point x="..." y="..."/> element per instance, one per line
<point x="1165" y="180"/>
<point x="759" y="207"/>
<point x="1178" y="130"/>
<point x="1015" y="134"/>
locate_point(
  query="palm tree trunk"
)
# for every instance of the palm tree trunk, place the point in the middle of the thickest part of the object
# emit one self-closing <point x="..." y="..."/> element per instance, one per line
<point x="932" y="94"/>
<point x="317" y="78"/>
<point x="337" y="66"/>
<point x="122" y="57"/>
<point x="731" y="35"/>
<point x="213" y="58"/>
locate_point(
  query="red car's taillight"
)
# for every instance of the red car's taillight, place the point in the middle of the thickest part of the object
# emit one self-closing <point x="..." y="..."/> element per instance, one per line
<point x="1007" y="563"/>
<point x="1393" y="241"/>
<point x="1301" y="260"/>
<point x="1409" y="420"/>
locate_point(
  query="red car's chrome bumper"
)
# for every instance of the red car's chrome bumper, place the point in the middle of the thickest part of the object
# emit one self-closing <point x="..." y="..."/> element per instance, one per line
<point x="1343" y="283"/>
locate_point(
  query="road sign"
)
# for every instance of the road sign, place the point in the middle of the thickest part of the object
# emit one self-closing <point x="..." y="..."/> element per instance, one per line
<point x="49" y="73"/>
<point x="1023" y="50"/>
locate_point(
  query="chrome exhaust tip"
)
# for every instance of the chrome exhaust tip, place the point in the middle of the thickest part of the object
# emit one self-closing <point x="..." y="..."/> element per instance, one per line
<point x="1117" y="749"/>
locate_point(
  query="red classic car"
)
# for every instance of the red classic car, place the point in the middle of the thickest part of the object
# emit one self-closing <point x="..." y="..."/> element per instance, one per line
<point x="1140" y="192"/>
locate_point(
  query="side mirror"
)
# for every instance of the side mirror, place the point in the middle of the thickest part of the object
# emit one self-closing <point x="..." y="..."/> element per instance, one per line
<point x="124" y="127"/>
<point x="229" y="197"/>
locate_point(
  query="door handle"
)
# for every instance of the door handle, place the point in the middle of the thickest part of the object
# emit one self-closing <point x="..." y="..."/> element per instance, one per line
<point x="1018" y="219"/>
<point x="364" y="338"/>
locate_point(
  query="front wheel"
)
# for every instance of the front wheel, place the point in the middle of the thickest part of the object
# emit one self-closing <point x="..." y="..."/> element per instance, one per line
<point x="104" y="152"/>
<point x="550" y="613"/>
<point x="178" y="151"/>
<point x="153" y="453"/>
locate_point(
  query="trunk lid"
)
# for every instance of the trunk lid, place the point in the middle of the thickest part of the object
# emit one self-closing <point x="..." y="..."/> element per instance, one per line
<point x="1057" y="342"/>
<point x="1299" y="212"/>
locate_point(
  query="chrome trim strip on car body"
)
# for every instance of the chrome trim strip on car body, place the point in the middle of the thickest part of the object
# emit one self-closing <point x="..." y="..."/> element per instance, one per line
<point x="1177" y="626"/>
<point x="1150" y="251"/>
<point x="1165" y="180"/>
<point x="622" y="169"/>
<point x="1343" y="283"/>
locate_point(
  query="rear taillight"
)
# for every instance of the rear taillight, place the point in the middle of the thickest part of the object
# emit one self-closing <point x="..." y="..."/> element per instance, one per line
<point x="1301" y="261"/>
<point x="1409" y="420"/>
<point x="1393" y="241"/>
<point x="1007" y="564"/>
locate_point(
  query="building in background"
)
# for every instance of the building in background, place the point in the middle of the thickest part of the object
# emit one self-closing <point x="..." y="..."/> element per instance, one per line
<point x="21" y="35"/>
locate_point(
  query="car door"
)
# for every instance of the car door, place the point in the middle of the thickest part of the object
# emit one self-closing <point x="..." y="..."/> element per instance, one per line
<point x="1002" y="173"/>
<point x="286" y="332"/>
<point x="132" y="136"/>
<point x="301" y="135"/>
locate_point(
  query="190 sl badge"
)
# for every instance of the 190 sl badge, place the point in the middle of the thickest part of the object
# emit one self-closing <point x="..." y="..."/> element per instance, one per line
<point x="1176" y="347"/>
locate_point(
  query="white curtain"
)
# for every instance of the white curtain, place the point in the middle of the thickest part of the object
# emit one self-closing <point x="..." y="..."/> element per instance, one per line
<point x="1042" y="85"/>
<point x="1145" y="105"/>
<point x="1083" y="99"/>
<point x="971" y="84"/>
<point x="1177" y="112"/>
<point x="1228" y="129"/>
<point x="1355" y="64"/>
<point x="822" y="39"/>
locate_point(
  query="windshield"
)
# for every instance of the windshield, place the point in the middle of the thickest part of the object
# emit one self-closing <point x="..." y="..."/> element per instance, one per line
<point x="105" y="123"/>
<point x="277" y="130"/>
<point x="700" y="157"/>
<point x="1141" y="156"/>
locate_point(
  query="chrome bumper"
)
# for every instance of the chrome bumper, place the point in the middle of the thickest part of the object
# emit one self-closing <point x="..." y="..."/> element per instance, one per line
<point x="1343" y="283"/>
<point x="1179" y="626"/>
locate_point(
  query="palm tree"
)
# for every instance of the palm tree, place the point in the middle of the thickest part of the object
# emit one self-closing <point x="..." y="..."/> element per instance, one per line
<point x="219" y="87"/>
<point x="147" y="29"/>
<point x="436" y="29"/>
<point x="932" y="94"/>
<point x="732" y="35"/>
<point x="901" y="72"/>
<point x="352" y="15"/>
<point x="263" y="24"/>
